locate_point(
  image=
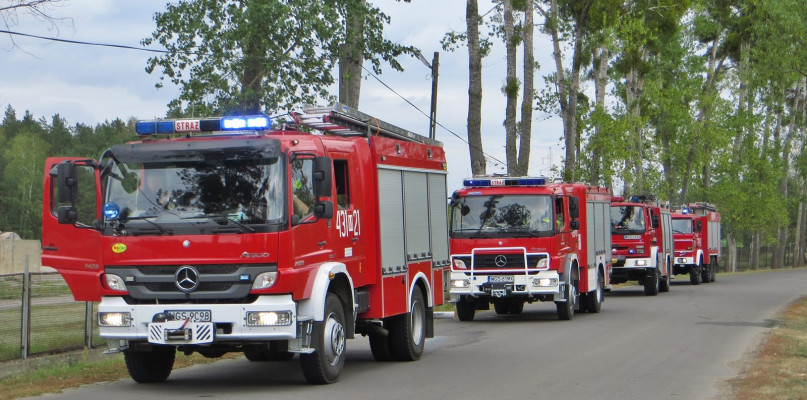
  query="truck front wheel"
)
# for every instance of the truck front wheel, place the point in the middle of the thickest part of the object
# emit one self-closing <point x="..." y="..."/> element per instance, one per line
<point x="466" y="310"/>
<point x="408" y="333"/>
<point x="328" y="338"/>
<point x="566" y="308"/>
<point x="651" y="282"/>
<point x="150" y="366"/>
<point x="695" y="275"/>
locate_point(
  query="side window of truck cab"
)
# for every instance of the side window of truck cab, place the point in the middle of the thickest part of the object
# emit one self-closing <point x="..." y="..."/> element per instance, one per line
<point x="342" y="180"/>
<point x="302" y="187"/>
<point x="560" y="220"/>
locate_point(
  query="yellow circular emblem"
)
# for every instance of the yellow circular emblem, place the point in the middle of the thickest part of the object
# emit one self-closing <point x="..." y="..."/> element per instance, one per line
<point x="118" y="248"/>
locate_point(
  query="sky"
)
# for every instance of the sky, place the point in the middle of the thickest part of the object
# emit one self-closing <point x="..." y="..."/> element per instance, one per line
<point x="92" y="84"/>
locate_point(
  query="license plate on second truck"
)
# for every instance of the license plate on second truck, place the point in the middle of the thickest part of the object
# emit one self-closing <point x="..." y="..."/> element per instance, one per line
<point x="192" y="315"/>
<point x="500" y="278"/>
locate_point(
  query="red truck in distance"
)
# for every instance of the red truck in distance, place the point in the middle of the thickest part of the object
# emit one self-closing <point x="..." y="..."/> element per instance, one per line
<point x="642" y="241"/>
<point x="696" y="231"/>
<point x="517" y="240"/>
<point x="271" y="241"/>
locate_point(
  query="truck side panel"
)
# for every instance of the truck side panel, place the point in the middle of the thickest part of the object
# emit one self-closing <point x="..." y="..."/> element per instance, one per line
<point x="438" y="219"/>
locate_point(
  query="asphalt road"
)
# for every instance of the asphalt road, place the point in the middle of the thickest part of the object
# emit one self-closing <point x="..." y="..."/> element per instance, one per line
<point x="684" y="344"/>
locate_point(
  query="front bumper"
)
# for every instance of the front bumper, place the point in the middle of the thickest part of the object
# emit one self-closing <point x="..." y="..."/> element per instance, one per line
<point x="628" y="262"/>
<point x="542" y="283"/>
<point x="228" y="322"/>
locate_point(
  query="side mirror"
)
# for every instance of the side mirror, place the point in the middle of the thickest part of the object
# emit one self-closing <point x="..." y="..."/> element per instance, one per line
<point x="323" y="209"/>
<point x="67" y="182"/>
<point x="322" y="176"/>
<point x="574" y="224"/>
<point x="67" y="215"/>
<point x="574" y="208"/>
<point x="698" y="226"/>
<point x="654" y="221"/>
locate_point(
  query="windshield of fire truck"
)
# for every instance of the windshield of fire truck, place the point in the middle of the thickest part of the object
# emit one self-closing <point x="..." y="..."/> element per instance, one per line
<point x="245" y="191"/>
<point x="682" y="225"/>
<point x="627" y="219"/>
<point x="501" y="216"/>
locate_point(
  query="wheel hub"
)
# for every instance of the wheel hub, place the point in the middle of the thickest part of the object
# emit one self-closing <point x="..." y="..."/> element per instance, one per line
<point x="334" y="340"/>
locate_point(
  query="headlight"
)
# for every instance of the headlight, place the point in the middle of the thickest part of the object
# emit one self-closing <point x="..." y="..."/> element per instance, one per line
<point x="641" y="263"/>
<point x="544" y="282"/>
<point x="459" y="264"/>
<point x="265" y="280"/>
<point x="115" y="319"/>
<point x="268" y="318"/>
<point x="460" y="283"/>
<point x="115" y="282"/>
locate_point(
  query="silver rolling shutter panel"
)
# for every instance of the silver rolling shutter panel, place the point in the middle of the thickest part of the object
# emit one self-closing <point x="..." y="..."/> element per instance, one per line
<point x="438" y="210"/>
<point x="390" y="210"/>
<point x="416" y="215"/>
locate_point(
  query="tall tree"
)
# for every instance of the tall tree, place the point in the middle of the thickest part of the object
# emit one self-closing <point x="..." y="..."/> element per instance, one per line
<point x="235" y="56"/>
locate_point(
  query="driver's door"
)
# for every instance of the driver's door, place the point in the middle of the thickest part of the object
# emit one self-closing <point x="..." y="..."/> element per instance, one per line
<point x="73" y="249"/>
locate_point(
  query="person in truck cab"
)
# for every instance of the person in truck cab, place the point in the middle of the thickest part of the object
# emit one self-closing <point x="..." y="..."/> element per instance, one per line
<point x="156" y="191"/>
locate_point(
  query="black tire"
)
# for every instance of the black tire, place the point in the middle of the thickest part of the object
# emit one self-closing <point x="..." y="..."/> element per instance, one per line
<point x="651" y="283"/>
<point x="714" y="269"/>
<point x="664" y="281"/>
<point x="594" y="299"/>
<point x="515" y="308"/>
<point x="705" y="273"/>
<point x="272" y="351"/>
<point x="150" y="366"/>
<point x="465" y="310"/>
<point x="256" y="354"/>
<point x="408" y="332"/>
<point x="328" y="339"/>
<point x="501" y="307"/>
<point x="695" y="275"/>
<point x="566" y="308"/>
<point x="381" y="347"/>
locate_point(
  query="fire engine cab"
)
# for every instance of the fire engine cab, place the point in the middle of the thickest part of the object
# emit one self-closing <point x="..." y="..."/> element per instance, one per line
<point x="641" y="236"/>
<point x="227" y="234"/>
<point x="696" y="230"/>
<point x="519" y="240"/>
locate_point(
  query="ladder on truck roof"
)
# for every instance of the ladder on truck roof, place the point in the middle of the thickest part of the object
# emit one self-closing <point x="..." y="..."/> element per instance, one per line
<point x="342" y="120"/>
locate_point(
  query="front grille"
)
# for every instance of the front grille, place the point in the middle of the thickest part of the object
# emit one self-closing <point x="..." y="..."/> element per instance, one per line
<point x="216" y="282"/>
<point x="487" y="262"/>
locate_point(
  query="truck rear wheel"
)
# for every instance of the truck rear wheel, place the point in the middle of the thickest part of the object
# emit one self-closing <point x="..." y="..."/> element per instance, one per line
<point x="328" y="338"/>
<point x="272" y="351"/>
<point x="515" y="307"/>
<point x="713" y="270"/>
<point x="664" y="281"/>
<point x="408" y="331"/>
<point x="594" y="299"/>
<point x="465" y="310"/>
<point x="381" y="347"/>
<point x="150" y="366"/>
<point x="651" y="282"/>
<point x="501" y="307"/>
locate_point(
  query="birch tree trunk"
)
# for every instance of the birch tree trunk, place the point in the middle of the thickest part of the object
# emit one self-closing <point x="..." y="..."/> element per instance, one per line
<point x="478" y="164"/>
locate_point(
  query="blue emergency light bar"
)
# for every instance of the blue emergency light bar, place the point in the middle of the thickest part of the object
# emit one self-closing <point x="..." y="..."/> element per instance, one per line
<point x="497" y="182"/>
<point x="223" y="124"/>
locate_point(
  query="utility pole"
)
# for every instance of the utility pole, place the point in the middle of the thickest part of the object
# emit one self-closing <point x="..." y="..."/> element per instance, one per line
<point x="434" y="66"/>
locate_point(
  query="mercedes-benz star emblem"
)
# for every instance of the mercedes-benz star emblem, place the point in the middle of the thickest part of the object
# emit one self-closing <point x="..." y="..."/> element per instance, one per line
<point x="187" y="278"/>
<point x="500" y="261"/>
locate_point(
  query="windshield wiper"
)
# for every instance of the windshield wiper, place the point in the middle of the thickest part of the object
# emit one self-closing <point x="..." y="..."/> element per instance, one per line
<point x="146" y="218"/>
<point x="221" y="219"/>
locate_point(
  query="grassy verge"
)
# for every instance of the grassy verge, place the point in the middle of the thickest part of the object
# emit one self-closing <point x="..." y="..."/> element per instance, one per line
<point x="779" y="367"/>
<point x="78" y="371"/>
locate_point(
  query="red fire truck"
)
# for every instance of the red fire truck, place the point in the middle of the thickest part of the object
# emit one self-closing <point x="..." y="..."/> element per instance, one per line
<point x="696" y="230"/>
<point x="516" y="240"/>
<point x="267" y="241"/>
<point x="641" y="236"/>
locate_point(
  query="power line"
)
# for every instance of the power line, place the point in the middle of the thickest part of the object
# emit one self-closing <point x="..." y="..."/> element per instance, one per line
<point x="53" y="39"/>
<point x="488" y="156"/>
<point x="120" y="46"/>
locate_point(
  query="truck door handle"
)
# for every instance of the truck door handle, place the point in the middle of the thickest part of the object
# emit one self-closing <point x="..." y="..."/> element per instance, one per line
<point x="355" y="239"/>
<point x="322" y="243"/>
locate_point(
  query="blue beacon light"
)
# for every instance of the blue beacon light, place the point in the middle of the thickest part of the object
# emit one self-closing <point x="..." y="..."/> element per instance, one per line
<point x="111" y="210"/>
